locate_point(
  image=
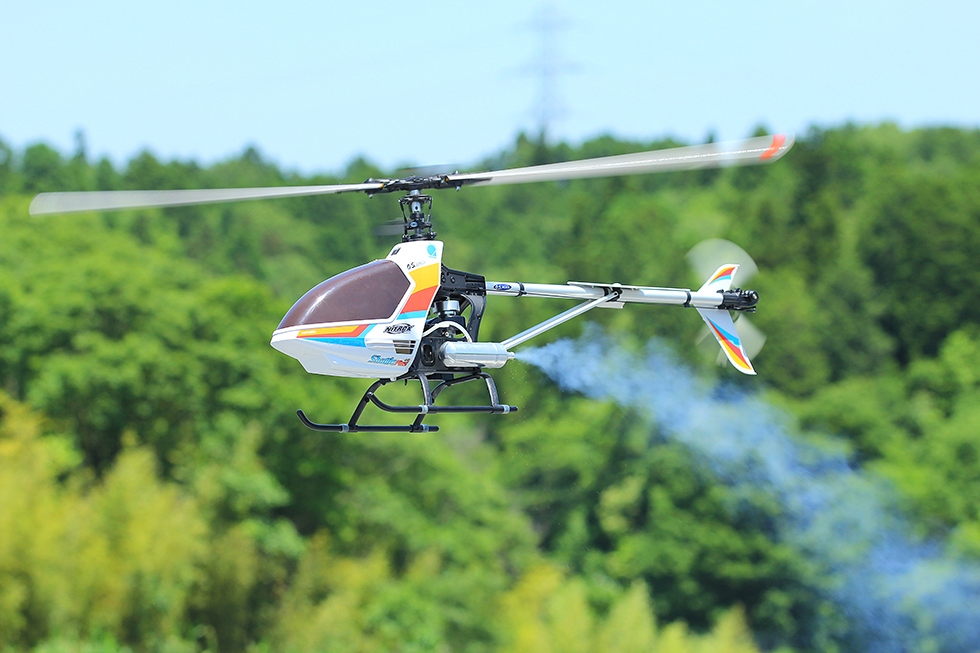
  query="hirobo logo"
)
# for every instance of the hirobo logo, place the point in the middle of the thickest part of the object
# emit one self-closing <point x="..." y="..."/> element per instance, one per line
<point x="391" y="360"/>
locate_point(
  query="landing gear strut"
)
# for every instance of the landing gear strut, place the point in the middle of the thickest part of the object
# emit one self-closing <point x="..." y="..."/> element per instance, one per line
<point x="429" y="397"/>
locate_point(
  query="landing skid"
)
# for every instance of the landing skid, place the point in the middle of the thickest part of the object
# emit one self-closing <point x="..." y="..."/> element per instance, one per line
<point x="429" y="407"/>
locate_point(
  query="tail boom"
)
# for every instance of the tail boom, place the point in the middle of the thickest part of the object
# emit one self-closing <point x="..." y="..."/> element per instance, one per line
<point x="713" y="301"/>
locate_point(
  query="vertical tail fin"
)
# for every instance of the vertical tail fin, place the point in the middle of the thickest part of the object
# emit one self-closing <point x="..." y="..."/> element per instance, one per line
<point x="720" y="322"/>
<point x="723" y="329"/>
<point x="721" y="279"/>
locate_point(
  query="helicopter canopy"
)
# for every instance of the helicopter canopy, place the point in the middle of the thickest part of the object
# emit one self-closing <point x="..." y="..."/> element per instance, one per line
<point x="370" y="292"/>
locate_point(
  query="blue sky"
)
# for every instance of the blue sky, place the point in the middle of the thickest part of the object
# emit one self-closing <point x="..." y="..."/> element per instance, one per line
<point x="315" y="84"/>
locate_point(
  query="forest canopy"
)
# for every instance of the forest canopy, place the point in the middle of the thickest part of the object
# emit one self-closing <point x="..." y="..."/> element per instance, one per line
<point x="158" y="493"/>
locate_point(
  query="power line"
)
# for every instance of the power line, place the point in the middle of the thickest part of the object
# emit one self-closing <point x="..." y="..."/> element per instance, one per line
<point x="547" y="66"/>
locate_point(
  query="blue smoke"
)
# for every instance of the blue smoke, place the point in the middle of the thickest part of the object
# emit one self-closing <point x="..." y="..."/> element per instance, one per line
<point x="897" y="593"/>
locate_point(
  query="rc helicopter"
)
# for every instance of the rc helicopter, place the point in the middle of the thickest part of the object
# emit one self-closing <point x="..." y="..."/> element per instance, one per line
<point x="410" y="317"/>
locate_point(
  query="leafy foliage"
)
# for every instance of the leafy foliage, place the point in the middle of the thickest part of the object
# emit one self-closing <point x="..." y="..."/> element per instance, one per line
<point x="156" y="492"/>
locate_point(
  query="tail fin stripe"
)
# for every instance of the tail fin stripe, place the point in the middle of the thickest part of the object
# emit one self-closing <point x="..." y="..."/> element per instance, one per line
<point x="722" y="273"/>
<point x="730" y="342"/>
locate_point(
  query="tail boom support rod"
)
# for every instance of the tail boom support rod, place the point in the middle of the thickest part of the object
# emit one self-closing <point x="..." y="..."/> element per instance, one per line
<point x="561" y="318"/>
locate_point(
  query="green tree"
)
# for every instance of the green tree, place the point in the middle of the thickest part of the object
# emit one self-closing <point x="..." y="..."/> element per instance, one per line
<point x="921" y="247"/>
<point x="43" y="169"/>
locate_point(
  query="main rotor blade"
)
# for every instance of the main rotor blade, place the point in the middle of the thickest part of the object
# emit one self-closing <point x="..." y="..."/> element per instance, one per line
<point x="752" y="151"/>
<point x="112" y="200"/>
<point x="762" y="149"/>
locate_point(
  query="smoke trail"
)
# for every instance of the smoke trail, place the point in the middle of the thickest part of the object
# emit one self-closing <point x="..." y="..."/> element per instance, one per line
<point x="898" y="594"/>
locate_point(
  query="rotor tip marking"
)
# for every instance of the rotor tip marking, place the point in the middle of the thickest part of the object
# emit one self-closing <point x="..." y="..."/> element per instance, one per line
<point x="777" y="142"/>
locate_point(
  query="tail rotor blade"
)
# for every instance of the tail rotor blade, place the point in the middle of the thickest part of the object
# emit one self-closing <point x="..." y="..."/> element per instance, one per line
<point x="752" y="338"/>
<point x="706" y="255"/>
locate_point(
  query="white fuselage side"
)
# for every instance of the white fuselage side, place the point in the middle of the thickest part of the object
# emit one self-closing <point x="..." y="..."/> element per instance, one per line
<point x="366" y="322"/>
